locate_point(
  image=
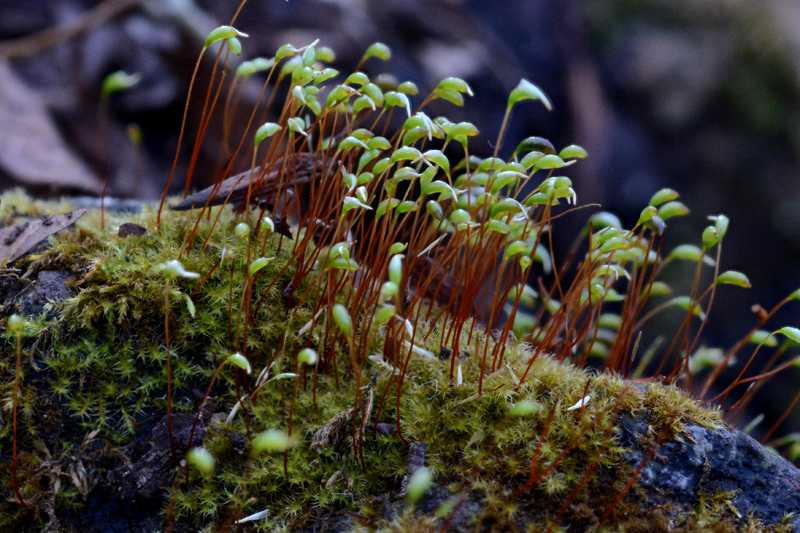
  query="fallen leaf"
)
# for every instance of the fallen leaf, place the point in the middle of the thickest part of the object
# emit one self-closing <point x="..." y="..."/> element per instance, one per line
<point x="32" y="150"/>
<point x="17" y="240"/>
<point x="326" y="435"/>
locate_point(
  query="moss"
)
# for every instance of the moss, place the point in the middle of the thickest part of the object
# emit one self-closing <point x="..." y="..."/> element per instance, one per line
<point x="102" y="367"/>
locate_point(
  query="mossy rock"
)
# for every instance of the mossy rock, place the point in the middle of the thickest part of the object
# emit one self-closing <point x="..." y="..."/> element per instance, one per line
<point x="92" y="407"/>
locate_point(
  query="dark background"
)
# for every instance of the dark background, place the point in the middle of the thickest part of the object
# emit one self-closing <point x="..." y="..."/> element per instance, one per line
<point x="702" y="96"/>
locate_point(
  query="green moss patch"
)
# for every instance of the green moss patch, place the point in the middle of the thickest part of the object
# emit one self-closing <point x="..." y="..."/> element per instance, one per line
<point x="100" y="367"/>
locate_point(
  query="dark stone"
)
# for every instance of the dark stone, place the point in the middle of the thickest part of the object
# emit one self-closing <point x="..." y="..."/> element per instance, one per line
<point x="50" y="286"/>
<point x="385" y="429"/>
<point x="416" y="457"/>
<point x="462" y="517"/>
<point x="145" y="478"/>
<point x="712" y="461"/>
<point x="11" y="283"/>
<point x="289" y="299"/>
<point x="129" y="228"/>
<point x="335" y="522"/>
<point x="416" y="460"/>
<point x="238" y="443"/>
<point x="282" y="227"/>
<point x="105" y="512"/>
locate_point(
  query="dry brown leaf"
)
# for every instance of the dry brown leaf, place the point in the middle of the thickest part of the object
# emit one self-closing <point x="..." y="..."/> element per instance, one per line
<point x="326" y="435"/>
<point x="17" y="240"/>
<point x="339" y="474"/>
<point x="32" y="150"/>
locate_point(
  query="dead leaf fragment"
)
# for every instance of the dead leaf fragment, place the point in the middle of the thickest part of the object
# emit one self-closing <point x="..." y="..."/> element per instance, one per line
<point x="17" y="240"/>
<point x="129" y="228"/>
<point x="31" y="148"/>
<point x="326" y="435"/>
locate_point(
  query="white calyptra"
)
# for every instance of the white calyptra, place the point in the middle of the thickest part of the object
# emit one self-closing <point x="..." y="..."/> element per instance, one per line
<point x="307" y="356"/>
<point x="253" y="517"/>
<point x="581" y="403"/>
<point x="174" y="268"/>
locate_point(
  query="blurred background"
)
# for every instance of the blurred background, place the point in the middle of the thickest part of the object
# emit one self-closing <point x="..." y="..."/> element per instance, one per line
<point x="702" y="96"/>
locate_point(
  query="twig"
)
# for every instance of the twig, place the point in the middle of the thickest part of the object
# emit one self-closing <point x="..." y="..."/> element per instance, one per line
<point x="38" y="42"/>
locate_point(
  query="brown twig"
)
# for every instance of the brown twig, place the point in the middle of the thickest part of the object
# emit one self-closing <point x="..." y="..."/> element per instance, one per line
<point x="41" y="41"/>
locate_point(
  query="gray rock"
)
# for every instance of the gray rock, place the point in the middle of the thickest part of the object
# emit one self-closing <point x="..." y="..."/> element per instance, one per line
<point x="50" y="286"/>
<point x="146" y="477"/>
<point x="712" y="461"/>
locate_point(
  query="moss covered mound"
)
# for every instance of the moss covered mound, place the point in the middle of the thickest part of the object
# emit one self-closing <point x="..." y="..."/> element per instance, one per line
<point x="92" y="402"/>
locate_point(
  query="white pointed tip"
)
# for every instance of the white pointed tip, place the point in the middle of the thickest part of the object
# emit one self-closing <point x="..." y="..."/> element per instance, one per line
<point x="255" y="516"/>
<point x="581" y="403"/>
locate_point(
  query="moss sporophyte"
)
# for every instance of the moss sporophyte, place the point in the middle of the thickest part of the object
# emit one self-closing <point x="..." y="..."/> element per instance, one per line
<point x="364" y="283"/>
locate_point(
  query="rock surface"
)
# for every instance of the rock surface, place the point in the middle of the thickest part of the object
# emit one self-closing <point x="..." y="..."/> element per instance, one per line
<point x="29" y="297"/>
<point x="50" y="286"/>
<point x="712" y="461"/>
<point x="147" y="476"/>
<point x="708" y="460"/>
